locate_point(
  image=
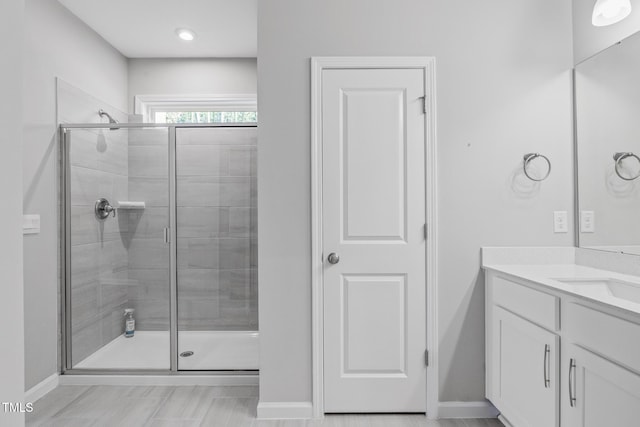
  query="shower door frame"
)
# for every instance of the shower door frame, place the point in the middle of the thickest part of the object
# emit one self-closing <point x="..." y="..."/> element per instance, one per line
<point x="66" y="350"/>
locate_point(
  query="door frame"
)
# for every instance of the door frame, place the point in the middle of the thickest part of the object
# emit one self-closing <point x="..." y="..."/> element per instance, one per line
<point x="427" y="64"/>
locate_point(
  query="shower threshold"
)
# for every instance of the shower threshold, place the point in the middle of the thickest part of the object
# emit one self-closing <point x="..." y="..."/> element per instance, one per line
<point x="211" y="350"/>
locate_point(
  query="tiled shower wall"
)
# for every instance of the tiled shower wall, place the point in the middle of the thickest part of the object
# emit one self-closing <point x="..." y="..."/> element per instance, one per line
<point x="99" y="261"/>
<point x="149" y="280"/>
<point x="216" y="215"/>
<point x="123" y="262"/>
<point x="98" y="166"/>
<point x="217" y="228"/>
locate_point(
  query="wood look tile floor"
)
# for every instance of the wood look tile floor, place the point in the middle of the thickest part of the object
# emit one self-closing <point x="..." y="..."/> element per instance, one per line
<point x="191" y="406"/>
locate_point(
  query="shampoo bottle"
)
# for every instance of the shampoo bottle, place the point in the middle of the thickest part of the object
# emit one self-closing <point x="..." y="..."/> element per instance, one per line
<point x="129" y="323"/>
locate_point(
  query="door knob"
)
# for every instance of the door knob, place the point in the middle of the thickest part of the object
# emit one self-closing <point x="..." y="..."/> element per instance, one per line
<point x="333" y="258"/>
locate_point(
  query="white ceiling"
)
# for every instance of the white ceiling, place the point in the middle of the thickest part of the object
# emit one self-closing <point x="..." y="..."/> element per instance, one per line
<point x="146" y="28"/>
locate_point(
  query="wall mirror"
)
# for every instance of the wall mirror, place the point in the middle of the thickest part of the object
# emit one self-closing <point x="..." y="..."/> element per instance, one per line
<point x="607" y="97"/>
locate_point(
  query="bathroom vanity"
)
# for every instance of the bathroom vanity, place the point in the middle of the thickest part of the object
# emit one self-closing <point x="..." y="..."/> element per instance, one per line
<point x="562" y="339"/>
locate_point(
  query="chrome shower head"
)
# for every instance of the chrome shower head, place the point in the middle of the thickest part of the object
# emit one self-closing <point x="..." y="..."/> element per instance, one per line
<point x="103" y="113"/>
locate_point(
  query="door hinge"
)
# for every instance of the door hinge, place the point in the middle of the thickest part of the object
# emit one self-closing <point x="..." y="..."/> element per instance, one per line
<point x="426" y="232"/>
<point x="426" y="358"/>
<point x="167" y="236"/>
<point x="424" y="104"/>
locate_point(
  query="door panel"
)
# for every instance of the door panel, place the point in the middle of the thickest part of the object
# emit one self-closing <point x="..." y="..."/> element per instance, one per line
<point x="373" y="218"/>
<point x="525" y="367"/>
<point x="373" y="180"/>
<point x="374" y="321"/>
<point x="605" y="393"/>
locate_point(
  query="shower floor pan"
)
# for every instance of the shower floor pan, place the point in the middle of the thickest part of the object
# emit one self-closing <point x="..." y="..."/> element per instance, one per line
<point x="212" y="350"/>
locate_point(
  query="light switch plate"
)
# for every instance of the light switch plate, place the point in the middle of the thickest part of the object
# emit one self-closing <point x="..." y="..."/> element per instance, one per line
<point x="560" y="222"/>
<point x="587" y="222"/>
<point x="30" y="224"/>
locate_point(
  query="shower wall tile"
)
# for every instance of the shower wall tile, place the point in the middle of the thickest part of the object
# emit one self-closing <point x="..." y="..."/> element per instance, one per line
<point x="115" y="157"/>
<point x="235" y="285"/>
<point x="85" y="341"/>
<point x="240" y="222"/>
<point x="198" y="314"/>
<point x="238" y="191"/>
<point x="148" y="223"/>
<point x="110" y="149"/>
<point x="151" y="314"/>
<point x="157" y="137"/>
<point x="149" y="283"/>
<point x="114" y="262"/>
<point x="85" y="304"/>
<point x="198" y="283"/>
<point x="218" y="136"/>
<point x="202" y="222"/>
<point x="148" y="293"/>
<point x="149" y="161"/>
<point x="85" y="264"/>
<point x="198" y="191"/>
<point x="254" y="253"/>
<point x="243" y="161"/>
<point x="153" y="191"/>
<point x="112" y="323"/>
<point x="88" y="185"/>
<point x="86" y="228"/>
<point x="198" y="253"/>
<point x="148" y="254"/>
<point x="99" y="261"/>
<point x="199" y="160"/>
<point x="216" y="191"/>
<point x="76" y="106"/>
<point x="217" y="216"/>
<point x="235" y="253"/>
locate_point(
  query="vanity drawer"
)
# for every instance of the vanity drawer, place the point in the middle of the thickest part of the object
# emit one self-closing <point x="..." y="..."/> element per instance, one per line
<point x="534" y="305"/>
<point x="610" y="336"/>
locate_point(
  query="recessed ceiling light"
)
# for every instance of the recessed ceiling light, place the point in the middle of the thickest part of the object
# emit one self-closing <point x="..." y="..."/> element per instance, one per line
<point x="607" y="12"/>
<point x="185" y="34"/>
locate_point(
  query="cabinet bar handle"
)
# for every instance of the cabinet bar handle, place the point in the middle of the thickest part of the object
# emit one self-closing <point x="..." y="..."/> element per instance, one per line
<point x="572" y="381"/>
<point x="547" y="350"/>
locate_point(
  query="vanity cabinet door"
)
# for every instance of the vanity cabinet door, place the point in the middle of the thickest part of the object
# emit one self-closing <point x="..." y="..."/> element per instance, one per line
<point x="525" y="371"/>
<point x="597" y="392"/>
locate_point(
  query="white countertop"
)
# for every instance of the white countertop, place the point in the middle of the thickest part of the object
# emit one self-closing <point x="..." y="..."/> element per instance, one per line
<point x="544" y="274"/>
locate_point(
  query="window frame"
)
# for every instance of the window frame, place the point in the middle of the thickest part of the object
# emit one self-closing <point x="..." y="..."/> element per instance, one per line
<point x="148" y="105"/>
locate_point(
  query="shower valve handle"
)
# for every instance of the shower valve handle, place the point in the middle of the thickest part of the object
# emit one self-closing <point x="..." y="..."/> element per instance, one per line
<point x="103" y="208"/>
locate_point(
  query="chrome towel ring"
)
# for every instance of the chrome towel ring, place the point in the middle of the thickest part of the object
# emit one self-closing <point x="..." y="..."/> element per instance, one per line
<point x="525" y="165"/>
<point x="619" y="157"/>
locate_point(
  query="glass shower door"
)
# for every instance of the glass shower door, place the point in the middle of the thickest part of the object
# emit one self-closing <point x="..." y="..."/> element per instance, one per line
<point x="117" y="255"/>
<point x="217" y="248"/>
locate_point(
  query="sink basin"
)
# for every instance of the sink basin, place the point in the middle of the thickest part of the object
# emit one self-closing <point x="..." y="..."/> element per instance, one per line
<point x="605" y="287"/>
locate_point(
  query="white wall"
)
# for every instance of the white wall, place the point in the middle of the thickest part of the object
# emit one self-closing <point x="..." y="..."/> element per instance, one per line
<point x="503" y="85"/>
<point x="57" y="45"/>
<point x="589" y="40"/>
<point x="191" y="76"/>
<point x="11" y="285"/>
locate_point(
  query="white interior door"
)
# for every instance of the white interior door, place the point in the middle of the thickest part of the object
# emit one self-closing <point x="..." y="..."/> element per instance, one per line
<point x="373" y="216"/>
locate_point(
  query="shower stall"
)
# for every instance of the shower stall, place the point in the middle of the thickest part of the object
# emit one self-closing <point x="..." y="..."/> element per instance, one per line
<point x="161" y="219"/>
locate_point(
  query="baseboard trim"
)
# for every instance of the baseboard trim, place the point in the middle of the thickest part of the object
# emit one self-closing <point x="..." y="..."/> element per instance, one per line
<point x="42" y="388"/>
<point x="284" y="410"/>
<point x="504" y="421"/>
<point x="160" y="380"/>
<point x="482" y="409"/>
